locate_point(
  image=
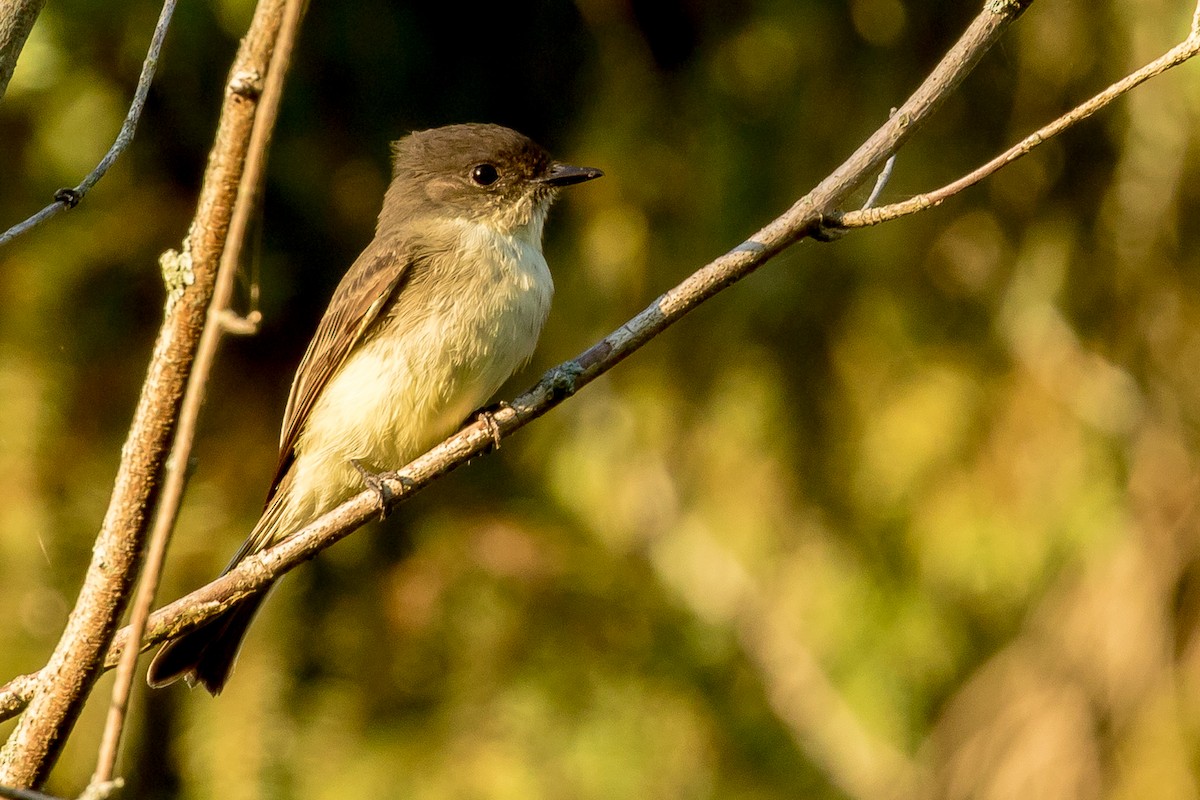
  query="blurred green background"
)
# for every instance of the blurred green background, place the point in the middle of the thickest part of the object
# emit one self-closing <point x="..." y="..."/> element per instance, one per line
<point x="909" y="515"/>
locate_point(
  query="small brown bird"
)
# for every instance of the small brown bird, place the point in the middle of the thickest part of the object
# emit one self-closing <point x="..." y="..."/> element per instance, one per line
<point x="444" y="304"/>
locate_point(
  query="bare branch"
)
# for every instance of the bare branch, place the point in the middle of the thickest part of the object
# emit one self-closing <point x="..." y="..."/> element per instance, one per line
<point x="24" y="794"/>
<point x="881" y="182"/>
<point x="16" y="21"/>
<point x="560" y="383"/>
<point x="15" y="694"/>
<point x="1172" y="58"/>
<point x="69" y="198"/>
<point x="95" y="791"/>
<point x="237" y="325"/>
<point x="62" y="686"/>
<point x="175" y="473"/>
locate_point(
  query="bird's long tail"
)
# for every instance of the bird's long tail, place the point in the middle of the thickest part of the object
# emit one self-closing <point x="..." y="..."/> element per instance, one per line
<point x="206" y="655"/>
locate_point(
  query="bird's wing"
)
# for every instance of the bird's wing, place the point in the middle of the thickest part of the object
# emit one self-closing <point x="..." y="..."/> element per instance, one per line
<point x="371" y="283"/>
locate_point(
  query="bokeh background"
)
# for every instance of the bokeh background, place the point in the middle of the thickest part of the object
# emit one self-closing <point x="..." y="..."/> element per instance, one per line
<point x="909" y="515"/>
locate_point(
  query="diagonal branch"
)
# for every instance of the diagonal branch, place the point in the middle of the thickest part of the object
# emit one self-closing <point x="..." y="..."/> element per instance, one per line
<point x="800" y="220"/>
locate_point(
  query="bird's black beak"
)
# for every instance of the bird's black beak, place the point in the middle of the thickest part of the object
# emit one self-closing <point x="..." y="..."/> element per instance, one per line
<point x="564" y="174"/>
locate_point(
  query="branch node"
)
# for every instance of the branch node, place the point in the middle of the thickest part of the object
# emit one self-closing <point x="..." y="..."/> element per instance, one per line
<point x="68" y="197"/>
<point x="102" y="790"/>
<point x="828" y="227"/>
<point x="177" y="273"/>
<point x="1006" y="6"/>
<point x="247" y="84"/>
<point x="561" y="380"/>
<point x="233" y="323"/>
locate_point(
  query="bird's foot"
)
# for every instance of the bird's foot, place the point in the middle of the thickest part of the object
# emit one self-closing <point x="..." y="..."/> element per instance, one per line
<point x="375" y="482"/>
<point x="487" y="415"/>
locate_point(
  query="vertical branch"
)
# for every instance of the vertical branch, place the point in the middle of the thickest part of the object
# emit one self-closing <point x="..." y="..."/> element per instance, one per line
<point x="175" y="472"/>
<point x="65" y="682"/>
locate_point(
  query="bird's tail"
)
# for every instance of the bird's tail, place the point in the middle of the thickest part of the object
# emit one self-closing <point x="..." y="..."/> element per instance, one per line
<point x="206" y="655"/>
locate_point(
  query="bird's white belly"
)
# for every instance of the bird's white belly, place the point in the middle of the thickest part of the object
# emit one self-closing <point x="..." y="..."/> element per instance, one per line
<point x="416" y="379"/>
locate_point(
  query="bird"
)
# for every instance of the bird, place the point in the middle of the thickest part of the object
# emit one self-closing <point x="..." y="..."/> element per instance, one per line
<point x="441" y="307"/>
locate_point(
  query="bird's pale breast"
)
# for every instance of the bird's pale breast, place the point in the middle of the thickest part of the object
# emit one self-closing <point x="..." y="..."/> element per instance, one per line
<point x="438" y="356"/>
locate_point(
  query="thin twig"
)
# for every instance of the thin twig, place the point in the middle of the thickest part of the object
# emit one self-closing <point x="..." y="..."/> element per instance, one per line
<point x="830" y="229"/>
<point x="15" y="694"/>
<point x="1172" y="58"/>
<point x="12" y="793"/>
<point x="477" y="438"/>
<point x="95" y="791"/>
<point x="237" y="325"/>
<point x="175" y="473"/>
<point x="69" y="198"/>
<point x="65" y="682"/>
<point x="881" y="182"/>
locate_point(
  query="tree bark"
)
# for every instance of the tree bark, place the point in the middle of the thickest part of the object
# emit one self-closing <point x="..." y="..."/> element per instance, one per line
<point x="63" y="685"/>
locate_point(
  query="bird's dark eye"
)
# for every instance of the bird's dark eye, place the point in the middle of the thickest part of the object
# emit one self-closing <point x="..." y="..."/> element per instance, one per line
<point x="484" y="174"/>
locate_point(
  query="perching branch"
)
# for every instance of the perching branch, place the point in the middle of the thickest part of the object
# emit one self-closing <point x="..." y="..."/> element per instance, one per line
<point x="69" y="198"/>
<point x="475" y="439"/>
<point x="61" y="687"/>
<point x="801" y="220"/>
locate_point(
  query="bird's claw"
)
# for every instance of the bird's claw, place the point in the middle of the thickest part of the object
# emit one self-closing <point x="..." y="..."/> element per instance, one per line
<point x="488" y="417"/>
<point x="375" y="482"/>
